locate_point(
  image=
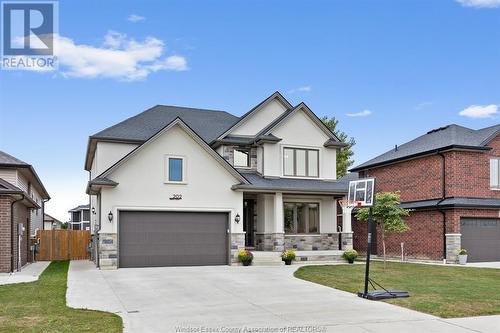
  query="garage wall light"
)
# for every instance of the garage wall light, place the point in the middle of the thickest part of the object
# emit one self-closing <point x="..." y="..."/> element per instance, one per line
<point x="110" y="216"/>
<point x="237" y="218"/>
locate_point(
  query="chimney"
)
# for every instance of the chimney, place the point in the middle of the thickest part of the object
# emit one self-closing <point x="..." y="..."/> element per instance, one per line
<point x="395" y="147"/>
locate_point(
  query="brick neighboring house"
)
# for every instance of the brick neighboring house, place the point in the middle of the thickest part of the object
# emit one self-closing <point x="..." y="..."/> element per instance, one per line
<point x="22" y="197"/>
<point x="450" y="178"/>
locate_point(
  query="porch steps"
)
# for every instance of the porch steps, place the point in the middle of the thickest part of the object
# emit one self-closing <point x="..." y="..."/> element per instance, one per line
<point x="268" y="258"/>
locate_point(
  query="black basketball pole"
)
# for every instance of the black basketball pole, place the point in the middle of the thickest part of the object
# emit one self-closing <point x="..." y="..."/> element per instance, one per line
<point x="368" y="252"/>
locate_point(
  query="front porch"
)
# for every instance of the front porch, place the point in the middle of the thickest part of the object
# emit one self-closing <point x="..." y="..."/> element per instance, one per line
<point x="307" y="223"/>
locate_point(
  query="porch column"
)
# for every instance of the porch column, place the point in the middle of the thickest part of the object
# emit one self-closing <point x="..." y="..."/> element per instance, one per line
<point x="278" y="213"/>
<point x="346" y="229"/>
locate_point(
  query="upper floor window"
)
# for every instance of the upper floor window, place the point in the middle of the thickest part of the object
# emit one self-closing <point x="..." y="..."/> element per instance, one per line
<point x="86" y="215"/>
<point x="300" y="162"/>
<point x="175" y="169"/>
<point x="75" y="216"/>
<point x="241" y="158"/>
<point x="494" y="173"/>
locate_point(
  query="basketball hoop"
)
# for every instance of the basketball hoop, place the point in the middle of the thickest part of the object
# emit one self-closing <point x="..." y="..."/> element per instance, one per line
<point x="349" y="204"/>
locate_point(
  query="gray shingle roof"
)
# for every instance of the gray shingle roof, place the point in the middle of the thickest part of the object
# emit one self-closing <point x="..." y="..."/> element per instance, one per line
<point x="445" y="137"/>
<point x="10" y="160"/>
<point x="206" y="123"/>
<point x="453" y="202"/>
<point x="80" y="207"/>
<point x="291" y="185"/>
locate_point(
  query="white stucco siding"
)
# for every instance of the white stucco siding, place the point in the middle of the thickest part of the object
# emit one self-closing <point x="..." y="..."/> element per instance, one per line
<point x="142" y="184"/>
<point x="298" y="130"/>
<point x="260" y="118"/>
<point x="36" y="214"/>
<point x="107" y="154"/>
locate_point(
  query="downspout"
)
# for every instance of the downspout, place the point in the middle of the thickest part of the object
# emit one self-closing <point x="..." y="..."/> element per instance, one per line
<point x="98" y="230"/>
<point x="12" y="233"/>
<point x="443" y="197"/>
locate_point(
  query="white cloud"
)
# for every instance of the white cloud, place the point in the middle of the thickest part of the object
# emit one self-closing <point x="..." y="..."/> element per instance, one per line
<point x="480" y="3"/>
<point x="119" y="57"/>
<point x="300" y="89"/>
<point x="135" y="18"/>
<point x="363" y="113"/>
<point x="480" y="111"/>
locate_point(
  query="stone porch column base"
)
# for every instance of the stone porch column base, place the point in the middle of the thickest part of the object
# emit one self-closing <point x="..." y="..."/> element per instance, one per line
<point x="270" y="242"/>
<point x="453" y="243"/>
<point x="237" y="243"/>
<point x="346" y="239"/>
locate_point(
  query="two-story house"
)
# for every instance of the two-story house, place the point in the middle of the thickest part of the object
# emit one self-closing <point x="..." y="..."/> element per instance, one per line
<point x="79" y="218"/>
<point x="182" y="186"/>
<point x="22" y="198"/>
<point x="450" y="178"/>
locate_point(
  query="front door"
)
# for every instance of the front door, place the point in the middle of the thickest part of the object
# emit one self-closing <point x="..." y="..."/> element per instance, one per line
<point x="248" y="222"/>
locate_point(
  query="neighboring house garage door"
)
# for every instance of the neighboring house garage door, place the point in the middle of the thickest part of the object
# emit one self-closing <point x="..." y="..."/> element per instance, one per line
<point x="481" y="239"/>
<point x="152" y="239"/>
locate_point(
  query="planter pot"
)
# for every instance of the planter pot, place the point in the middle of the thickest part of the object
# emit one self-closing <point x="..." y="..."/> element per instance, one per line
<point x="462" y="259"/>
<point x="246" y="263"/>
<point x="287" y="261"/>
<point x="351" y="261"/>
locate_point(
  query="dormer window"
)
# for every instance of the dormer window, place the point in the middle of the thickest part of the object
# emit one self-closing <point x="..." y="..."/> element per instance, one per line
<point x="298" y="162"/>
<point x="241" y="158"/>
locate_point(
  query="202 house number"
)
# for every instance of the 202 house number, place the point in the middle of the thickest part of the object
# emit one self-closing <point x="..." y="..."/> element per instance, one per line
<point x="176" y="197"/>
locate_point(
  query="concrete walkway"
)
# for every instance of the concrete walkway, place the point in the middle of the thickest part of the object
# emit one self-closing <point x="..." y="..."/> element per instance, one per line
<point x="28" y="273"/>
<point x="171" y="298"/>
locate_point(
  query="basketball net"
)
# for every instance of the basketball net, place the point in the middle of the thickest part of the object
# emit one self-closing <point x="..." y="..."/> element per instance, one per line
<point x="348" y="205"/>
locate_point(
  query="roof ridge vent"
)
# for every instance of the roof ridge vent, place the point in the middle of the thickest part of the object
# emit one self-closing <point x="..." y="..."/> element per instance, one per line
<point x="438" y="129"/>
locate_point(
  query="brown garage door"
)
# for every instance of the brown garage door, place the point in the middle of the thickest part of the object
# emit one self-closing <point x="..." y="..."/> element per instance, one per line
<point x="481" y="239"/>
<point x="152" y="239"/>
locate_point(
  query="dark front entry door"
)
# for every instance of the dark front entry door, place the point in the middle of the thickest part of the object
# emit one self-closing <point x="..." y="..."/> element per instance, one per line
<point x="248" y="222"/>
<point x="148" y="239"/>
<point x="481" y="239"/>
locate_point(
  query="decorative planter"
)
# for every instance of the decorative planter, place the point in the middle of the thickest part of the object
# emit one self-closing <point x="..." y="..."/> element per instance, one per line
<point x="351" y="261"/>
<point x="246" y="263"/>
<point x="462" y="259"/>
<point x="287" y="261"/>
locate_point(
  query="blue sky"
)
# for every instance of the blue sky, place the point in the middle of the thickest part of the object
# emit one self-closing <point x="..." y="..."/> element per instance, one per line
<point x="406" y="66"/>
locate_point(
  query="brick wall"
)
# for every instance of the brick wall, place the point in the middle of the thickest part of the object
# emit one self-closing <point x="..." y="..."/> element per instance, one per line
<point x="416" y="179"/>
<point x="21" y="215"/>
<point x="5" y="233"/>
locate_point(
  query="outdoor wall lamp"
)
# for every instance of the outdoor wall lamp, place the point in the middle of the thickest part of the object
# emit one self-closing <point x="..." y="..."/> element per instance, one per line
<point x="110" y="216"/>
<point x="93" y="210"/>
<point x="237" y="218"/>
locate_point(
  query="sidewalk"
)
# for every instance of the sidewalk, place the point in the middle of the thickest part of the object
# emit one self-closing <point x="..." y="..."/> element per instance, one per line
<point x="28" y="273"/>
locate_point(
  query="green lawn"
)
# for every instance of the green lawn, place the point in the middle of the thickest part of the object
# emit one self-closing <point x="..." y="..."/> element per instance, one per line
<point x="41" y="307"/>
<point x="439" y="290"/>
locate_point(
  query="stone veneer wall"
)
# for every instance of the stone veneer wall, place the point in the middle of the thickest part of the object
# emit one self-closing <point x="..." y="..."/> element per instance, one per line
<point x="270" y="242"/>
<point x="108" y="251"/>
<point x="312" y="242"/>
<point x="237" y="243"/>
<point x="453" y="243"/>
<point x="228" y="154"/>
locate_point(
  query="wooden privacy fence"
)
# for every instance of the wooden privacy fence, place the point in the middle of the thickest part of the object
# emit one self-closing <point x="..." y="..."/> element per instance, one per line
<point x="62" y="244"/>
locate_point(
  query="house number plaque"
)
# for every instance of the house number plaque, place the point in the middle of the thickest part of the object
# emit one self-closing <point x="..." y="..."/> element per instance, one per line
<point x="176" y="197"/>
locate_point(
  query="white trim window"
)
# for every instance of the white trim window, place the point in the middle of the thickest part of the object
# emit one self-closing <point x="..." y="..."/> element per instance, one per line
<point x="175" y="169"/>
<point x="494" y="173"/>
<point x="301" y="217"/>
<point x="300" y="162"/>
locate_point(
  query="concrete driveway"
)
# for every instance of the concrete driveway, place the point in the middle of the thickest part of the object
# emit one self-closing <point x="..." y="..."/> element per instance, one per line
<point x="230" y="299"/>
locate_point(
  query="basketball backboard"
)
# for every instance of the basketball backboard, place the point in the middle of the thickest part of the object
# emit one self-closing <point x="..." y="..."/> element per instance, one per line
<point x="362" y="191"/>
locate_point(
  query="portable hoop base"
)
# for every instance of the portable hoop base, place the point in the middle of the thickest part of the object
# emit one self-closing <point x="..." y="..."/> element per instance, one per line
<point x="384" y="294"/>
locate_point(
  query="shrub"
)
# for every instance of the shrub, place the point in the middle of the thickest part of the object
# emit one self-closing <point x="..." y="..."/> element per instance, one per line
<point x="288" y="254"/>
<point x="245" y="256"/>
<point x="350" y="255"/>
